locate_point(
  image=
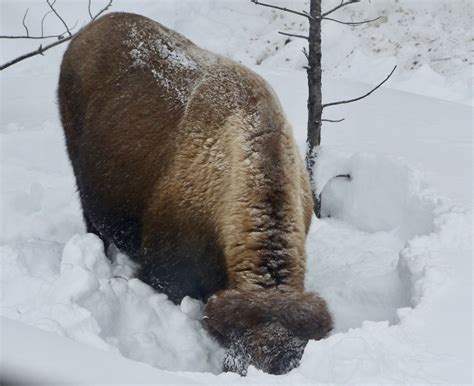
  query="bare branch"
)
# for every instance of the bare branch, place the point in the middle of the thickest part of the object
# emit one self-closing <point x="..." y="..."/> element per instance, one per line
<point x="348" y="176"/>
<point x="342" y="4"/>
<point x="58" y="36"/>
<point x="39" y="51"/>
<point x="363" y="96"/>
<point x="61" y="39"/>
<point x="30" y="37"/>
<point x="24" y="23"/>
<point x="109" y="4"/>
<point x="293" y="35"/>
<point x="72" y="28"/>
<point x="352" y="23"/>
<point x="51" y="5"/>
<point x="332" y="120"/>
<point x="42" y="21"/>
<point x="305" y="53"/>
<point x="89" y="10"/>
<point x="305" y="14"/>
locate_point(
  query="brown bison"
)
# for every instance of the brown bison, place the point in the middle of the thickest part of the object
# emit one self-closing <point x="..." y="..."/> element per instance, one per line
<point x="185" y="161"/>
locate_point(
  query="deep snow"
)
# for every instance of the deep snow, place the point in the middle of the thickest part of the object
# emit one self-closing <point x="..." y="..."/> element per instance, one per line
<point x="393" y="259"/>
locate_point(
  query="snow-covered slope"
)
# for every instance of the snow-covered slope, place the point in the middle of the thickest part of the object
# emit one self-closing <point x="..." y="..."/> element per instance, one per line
<point x="68" y="362"/>
<point x="393" y="259"/>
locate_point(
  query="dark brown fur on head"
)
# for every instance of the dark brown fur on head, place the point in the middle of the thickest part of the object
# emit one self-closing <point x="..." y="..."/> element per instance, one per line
<point x="268" y="329"/>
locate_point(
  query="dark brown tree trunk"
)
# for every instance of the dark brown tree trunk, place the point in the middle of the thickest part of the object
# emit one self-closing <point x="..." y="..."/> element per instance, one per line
<point x="315" y="103"/>
<point x="314" y="97"/>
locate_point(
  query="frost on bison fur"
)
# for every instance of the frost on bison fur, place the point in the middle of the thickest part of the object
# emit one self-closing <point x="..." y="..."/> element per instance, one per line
<point x="185" y="161"/>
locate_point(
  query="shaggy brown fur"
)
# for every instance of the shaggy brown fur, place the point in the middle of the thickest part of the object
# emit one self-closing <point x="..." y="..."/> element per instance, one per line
<point x="267" y="328"/>
<point x="185" y="161"/>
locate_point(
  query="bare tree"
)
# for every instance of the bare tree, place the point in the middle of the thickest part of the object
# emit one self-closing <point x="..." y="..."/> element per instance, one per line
<point x="313" y="55"/>
<point x="62" y="37"/>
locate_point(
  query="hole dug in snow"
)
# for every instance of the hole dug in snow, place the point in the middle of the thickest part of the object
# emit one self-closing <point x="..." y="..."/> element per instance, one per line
<point x="353" y="252"/>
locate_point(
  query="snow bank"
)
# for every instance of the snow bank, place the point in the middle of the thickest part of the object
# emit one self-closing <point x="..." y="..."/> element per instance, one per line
<point x="380" y="194"/>
<point x="77" y="293"/>
<point x="421" y="288"/>
<point x="24" y="362"/>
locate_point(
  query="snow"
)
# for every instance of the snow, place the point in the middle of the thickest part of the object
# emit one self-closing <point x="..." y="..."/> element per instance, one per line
<point x="68" y="362"/>
<point x="393" y="260"/>
<point x="78" y="294"/>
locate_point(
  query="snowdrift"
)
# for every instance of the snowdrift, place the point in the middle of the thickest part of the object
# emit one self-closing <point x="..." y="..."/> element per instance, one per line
<point x="387" y="259"/>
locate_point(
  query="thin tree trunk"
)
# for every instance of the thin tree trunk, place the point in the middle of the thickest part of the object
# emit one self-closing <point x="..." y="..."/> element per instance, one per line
<point x="314" y="97"/>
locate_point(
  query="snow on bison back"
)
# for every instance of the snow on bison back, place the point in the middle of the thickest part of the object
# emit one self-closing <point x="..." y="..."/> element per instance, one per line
<point x="185" y="161"/>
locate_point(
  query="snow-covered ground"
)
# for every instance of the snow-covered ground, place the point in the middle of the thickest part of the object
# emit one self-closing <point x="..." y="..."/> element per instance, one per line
<point x="393" y="259"/>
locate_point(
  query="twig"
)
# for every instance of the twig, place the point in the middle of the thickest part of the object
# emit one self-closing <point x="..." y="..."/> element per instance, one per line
<point x="39" y="51"/>
<point x="348" y="176"/>
<point x="42" y="36"/>
<point x="51" y="5"/>
<point x="294" y="35"/>
<point x="342" y="4"/>
<point x="305" y="14"/>
<point x="31" y="37"/>
<point x="363" y="96"/>
<point x="24" y="23"/>
<point x="332" y="120"/>
<point x="61" y="39"/>
<point x="42" y="22"/>
<point x="103" y="10"/>
<point x="89" y="9"/>
<point x="59" y="36"/>
<point x="352" y="23"/>
<point x="305" y="53"/>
